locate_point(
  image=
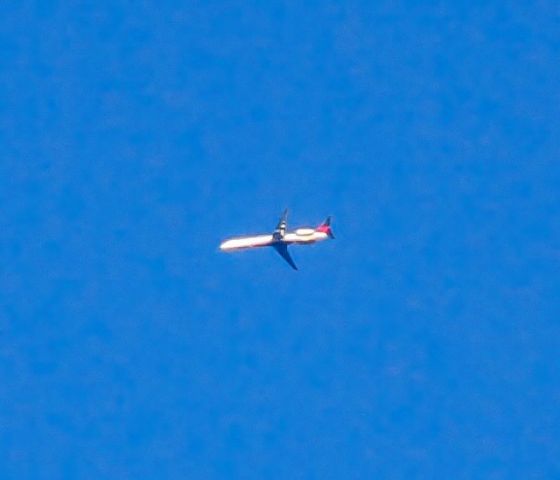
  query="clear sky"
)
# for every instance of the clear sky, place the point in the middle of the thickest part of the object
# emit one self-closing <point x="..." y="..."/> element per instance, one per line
<point x="422" y="343"/>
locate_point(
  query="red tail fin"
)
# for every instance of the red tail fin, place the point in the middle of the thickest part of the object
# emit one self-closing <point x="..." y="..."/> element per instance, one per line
<point x="325" y="227"/>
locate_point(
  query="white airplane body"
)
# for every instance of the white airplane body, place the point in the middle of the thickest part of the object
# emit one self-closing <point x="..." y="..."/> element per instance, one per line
<point x="280" y="238"/>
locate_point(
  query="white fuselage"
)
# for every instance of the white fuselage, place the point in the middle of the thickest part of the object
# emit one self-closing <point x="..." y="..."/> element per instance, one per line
<point x="300" y="236"/>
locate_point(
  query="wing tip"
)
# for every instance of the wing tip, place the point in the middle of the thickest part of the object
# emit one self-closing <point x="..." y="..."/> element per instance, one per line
<point x="282" y="249"/>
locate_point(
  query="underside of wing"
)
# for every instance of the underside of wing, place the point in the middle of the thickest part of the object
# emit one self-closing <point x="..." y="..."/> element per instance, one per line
<point x="282" y="249"/>
<point x="280" y="229"/>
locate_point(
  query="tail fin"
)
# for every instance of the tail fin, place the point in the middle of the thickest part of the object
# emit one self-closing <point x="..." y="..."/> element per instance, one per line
<point x="325" y="227"/>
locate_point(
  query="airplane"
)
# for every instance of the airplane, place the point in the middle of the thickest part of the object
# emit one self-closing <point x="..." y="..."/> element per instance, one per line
<point x="281" y="238"/>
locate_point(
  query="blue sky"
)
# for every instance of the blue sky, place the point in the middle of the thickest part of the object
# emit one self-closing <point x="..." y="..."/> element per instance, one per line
<point x="421" y="343"/>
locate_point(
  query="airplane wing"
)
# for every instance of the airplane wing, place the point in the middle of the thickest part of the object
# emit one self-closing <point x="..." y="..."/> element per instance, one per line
<point x="280" y="229"/>
<point x="282" y="249"/>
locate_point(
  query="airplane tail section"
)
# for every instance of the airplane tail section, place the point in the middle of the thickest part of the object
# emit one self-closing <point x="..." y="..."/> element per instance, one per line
<point x="325" y="227"/>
